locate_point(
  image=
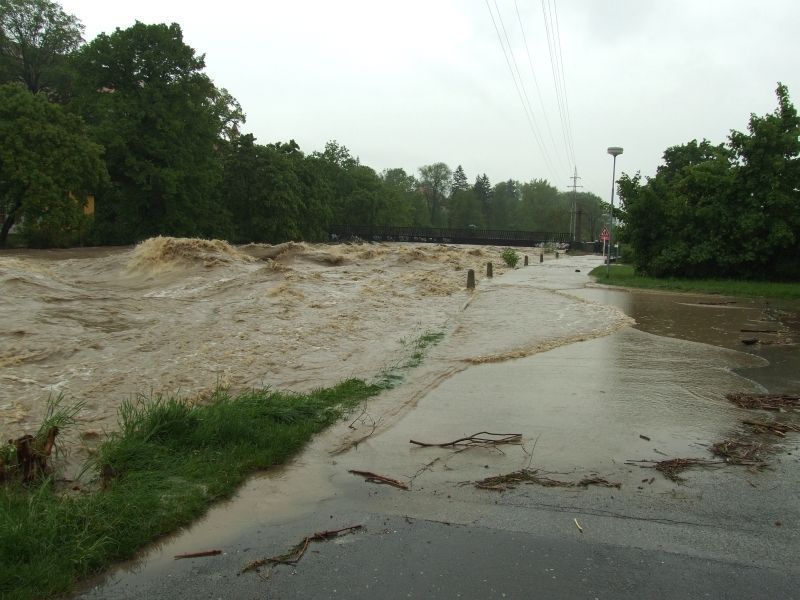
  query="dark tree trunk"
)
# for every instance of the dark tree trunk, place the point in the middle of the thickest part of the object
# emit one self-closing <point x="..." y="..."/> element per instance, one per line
<point x="7" y="225"/>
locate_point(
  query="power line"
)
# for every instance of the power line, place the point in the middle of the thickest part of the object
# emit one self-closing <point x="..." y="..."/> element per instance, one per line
<point x="564" y="82"/>
<point x="522" y="97"/>
<point x="536" y="80"/>
<point x="556" y="79"/>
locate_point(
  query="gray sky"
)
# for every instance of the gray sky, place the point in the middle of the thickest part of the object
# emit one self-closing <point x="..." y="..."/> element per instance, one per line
<point x="408" y="83"/>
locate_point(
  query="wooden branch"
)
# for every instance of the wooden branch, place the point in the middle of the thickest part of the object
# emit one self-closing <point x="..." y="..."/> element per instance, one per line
<point x="198" y="554"/>
<point x="293" y="556"/>
<point x="375" y="478"/>
<point x="476" y="440"/>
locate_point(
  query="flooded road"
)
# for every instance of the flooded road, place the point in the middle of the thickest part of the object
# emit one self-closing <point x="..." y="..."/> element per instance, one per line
<point x="590" y="377"/>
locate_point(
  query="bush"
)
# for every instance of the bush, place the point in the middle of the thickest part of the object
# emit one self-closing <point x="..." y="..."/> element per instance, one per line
<point x="510" y="257"/>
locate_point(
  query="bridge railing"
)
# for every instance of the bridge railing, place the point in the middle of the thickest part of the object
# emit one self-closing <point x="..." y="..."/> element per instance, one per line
<point x="468" y="235"/>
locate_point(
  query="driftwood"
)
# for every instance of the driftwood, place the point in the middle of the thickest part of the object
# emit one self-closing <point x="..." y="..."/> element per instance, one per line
<point x="774" y="427"/>
<point x="483" y="439"/>
<point x="293" y="556"/>
<point x="765" y="401"/>
<point x="30" y="456"/>
<point x="501" y="483"/>
<point x="739" y="453"/>
<point x="375" y="478"/>
<point x="198" y="554"/>
<point x="672" y="468"/>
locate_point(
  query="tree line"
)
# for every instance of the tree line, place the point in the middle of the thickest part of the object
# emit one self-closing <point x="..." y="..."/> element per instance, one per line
<point x="726" y="210"/>
<point x="132" y="119"/>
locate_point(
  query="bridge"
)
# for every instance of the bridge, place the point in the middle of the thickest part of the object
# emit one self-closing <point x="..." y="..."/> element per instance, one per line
<point x="435" y="235"/>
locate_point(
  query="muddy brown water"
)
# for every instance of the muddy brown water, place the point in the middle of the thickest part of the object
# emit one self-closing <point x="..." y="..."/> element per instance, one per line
<point x="590" y="377"/>
<point x="582" y="372"/>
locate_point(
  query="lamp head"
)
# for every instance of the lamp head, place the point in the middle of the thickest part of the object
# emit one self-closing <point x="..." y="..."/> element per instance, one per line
<point x="615" y="151"/>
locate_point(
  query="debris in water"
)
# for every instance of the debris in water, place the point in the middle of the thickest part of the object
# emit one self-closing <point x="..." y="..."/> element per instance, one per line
<point x="293" y="556"/>
<point x="749" y="341"/>
<point x="672" y="468"/>
<point x="375" y="478"/>
<point x="28" y="456"/>
<point x="482" y="439"/>
<point x="198" y="554"/>
<point x="739" y="453"/>
<point x="501" y="483"/>
<point x="644" y="437"/>
<point x="774" y="427"/>
<point x="765" y="401"/>
<point x="578" y="525"/>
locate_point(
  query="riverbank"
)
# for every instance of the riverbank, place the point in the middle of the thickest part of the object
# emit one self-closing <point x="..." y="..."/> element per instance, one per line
<point x="624" y="276"/>
<point x="168" y="463"/>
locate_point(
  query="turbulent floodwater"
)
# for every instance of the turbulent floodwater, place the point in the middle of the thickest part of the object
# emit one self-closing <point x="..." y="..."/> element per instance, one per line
<point x="183" y="316"/>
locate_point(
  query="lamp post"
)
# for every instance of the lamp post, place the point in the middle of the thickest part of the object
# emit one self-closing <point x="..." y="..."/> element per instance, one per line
<point x="614" y="151"/>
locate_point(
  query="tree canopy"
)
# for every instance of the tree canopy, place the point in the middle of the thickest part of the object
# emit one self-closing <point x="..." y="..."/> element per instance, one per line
<point x="160" y="147"/>
<point x="48" y="164"/>
<point x="728" y="210"/>
<point x="36" y="37"/>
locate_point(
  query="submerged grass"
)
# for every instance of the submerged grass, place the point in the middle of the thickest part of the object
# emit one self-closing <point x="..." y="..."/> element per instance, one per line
<point x="167" y="464"/>
<point x="623" y="275"/>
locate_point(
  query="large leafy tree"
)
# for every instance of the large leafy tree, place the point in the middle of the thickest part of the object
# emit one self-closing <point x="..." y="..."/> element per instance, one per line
<point x="36" y="37"/>
<point x="162" y="122"/>
<point x="47" y="166"/>
<point x="435" y="181"/>
<point x="722" y="210"/>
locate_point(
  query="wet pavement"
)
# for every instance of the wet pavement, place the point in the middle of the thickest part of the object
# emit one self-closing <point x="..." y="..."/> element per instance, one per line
<point x="591" y="378"/>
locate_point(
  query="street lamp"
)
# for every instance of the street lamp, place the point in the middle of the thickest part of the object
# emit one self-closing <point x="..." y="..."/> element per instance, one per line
<point x="614" y="151"/>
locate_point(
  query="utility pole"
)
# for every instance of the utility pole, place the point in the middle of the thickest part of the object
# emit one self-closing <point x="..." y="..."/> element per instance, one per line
<point x="574" y="219"/>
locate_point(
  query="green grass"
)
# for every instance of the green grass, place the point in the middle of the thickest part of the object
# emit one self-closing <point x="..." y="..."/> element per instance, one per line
<point x="168" y="463"/>
<point x="623" y="275"/>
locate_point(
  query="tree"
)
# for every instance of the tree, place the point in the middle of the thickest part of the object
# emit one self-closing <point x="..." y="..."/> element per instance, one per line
<point x="541" y="208"/>
<point x="722" y="210"/>
<point x="36" y="36"/>
<point x="465" y="209"/>
<point x="767" y="189"/>
<point x="435" y="182"/>
<point x="505" y="199"/>
<point x="47" y="166"/>
<point x="163" y="122"/>
<point x="460" y="182"/>
<point x="483" y="189"/>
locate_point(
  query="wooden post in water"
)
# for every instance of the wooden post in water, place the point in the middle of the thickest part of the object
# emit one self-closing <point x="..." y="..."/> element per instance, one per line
<point x="471" y="279"/>
<point x="556" y="254"/>
<point x="526" y="260"/>
<point x="541" y="256"/>
<point x="489" y="272"/>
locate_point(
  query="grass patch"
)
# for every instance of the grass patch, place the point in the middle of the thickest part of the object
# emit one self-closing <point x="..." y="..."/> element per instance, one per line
<point x="168" y="463"/>
<point x="418" y="348"/>
<point x="623" y="275"/>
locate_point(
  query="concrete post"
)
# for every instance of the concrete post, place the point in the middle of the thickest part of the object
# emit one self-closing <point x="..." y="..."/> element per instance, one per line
<point x="541" y="257"/>
<point x="471" y="279"/>
<point x="489" y="272"/>
<point x="526" y="260"/>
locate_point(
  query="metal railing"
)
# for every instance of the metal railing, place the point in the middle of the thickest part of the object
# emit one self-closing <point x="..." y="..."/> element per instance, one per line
<point x="468" y="235"/>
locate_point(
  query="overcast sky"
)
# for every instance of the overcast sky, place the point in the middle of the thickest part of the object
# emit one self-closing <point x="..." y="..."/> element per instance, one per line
<point x="412" y="82"/>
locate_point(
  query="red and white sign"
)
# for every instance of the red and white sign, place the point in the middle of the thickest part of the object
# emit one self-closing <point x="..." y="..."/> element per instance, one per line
<point x="604" y="235"/>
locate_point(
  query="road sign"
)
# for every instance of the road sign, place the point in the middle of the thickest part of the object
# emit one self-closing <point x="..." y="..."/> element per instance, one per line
<point x="604" y="235"/>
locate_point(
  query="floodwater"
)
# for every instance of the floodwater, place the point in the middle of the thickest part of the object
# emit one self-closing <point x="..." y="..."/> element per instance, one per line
<point x="179" y="316"/>
<point x="590" y="377"/>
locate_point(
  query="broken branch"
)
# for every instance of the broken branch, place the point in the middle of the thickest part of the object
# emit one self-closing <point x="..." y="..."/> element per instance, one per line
<point x="375" y="478"/>
<point x="198" y="554"/>
<point x="482" y="438"/>
<point x="293" y="556"/>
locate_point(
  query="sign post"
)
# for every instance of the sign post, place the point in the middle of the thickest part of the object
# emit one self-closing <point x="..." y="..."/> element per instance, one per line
<point x="604" y="238"/>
